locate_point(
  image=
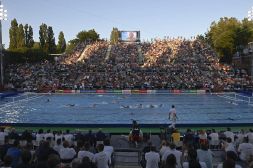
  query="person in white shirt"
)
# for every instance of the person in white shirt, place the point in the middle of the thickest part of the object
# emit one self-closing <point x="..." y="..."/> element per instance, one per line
<point x="245" y="150"/>
<point x="58" y="135"/>
<point x="175" y="152"/>
<point x="205" y="155"/>
<point x="2" y="136"/>
<point x="229" y="134"/>
<point x="101" y="159"/>
<point x="108" y="149"/>
<point x="85" y="153"/>
<point x="152" y="158"/>
<point x="58" y="146"/>
<point x="193" y="161"/>
<point x="40" y="136"/>
<point x="67" y="154"/>
<point x="228" y="145"/>
<point x="164" y="147"/>
<point x="68" y="137"/>
<point x="250" y="136"/>
<point x="173" y="116"/>
<point x="49" y="135"/>
<point x="214" y="139"/>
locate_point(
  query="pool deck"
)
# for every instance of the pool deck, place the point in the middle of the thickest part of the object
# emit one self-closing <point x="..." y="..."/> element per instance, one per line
<point x="124" y="128"/>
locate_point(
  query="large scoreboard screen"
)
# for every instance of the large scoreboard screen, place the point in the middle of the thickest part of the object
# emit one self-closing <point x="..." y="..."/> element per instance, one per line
<point x="130" y="36"/>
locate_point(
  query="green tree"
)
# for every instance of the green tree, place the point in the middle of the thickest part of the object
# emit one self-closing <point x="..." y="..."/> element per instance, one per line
<point x="50" y="41"/>
<point x="20" y="36"/>
<point x="61" y="46"/>
<point x="30" y="37"/>
<point x="114" y="36"/>
<point x="87" y="35"/>
<point x="13" y="31"/>
<point x="43" y="36"/>
<point x="222" y="36"/>
<point x="26" y="34"/>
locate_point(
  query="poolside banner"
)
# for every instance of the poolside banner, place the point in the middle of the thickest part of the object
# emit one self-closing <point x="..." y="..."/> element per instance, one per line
<point x="135" y="91"/>
<point x="109" y="91"/>
<point x="100" y="91"/>
<point x="88" y="91"/>
<point x="59" y="91"/>
<point x="126" y="92"/>
<point x="176" y="91"/>
<point x="142" y="91"/>
<point x="192" y="91"/>
<point x="77" y="91"/>
<point x="162" y="91"/>
<point x="117" y="91"/>
<point x="201" y="91"/>
<point x="151" y="91"/>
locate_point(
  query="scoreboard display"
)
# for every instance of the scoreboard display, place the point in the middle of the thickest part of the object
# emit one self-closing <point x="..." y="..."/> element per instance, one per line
<point x="129" y="36"/>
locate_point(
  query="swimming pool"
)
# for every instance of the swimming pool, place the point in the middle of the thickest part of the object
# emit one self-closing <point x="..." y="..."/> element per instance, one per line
<point x="122" y="109"/>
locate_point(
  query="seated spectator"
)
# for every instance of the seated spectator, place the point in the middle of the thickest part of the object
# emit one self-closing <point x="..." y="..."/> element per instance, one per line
<point x="58" y="146"/>
<point x="43" y="152"/>
<point x="101" y="159"/>
<point x="214" y="139"/>
<point x="49" y="135"/>
<point x="175" y="152"/>
<point x="68" y="137"/>
<point x="164" y="147"/>
<point x="230" y="160"/>
<point x="171" y="162"/>
<point x="26" y="158"/>
<point x="7" y="162"/>
<point x="90" y="137"/>
<point x="54" y="161"/>
<point x="228" y="145"/>
<point x="85" y="152"/>
<point x="108" y="149"/>
<point x="205" y="155"/>
<point x="15" y="153"/>
<point x="40" y="136"/>
<point x="202" y="137"/>
<point x="86" y="163"/>
<point x="250" y="136"/>
<point x="67" y="154"/>
<point x="192" y="161"/>
<point x="100" y="136"/>
<point x="188" y="138"/>
<point x="245" y="150"/>
<point x="152" y="158"/>
<point x="229" y="134"/>
<point x="2" y="136"/>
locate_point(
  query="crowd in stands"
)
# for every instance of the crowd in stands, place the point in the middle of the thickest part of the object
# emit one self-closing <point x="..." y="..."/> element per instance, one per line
<point x="196" y="149"/>
<point x="160" y="64"/>
<point x="190" y="149"/>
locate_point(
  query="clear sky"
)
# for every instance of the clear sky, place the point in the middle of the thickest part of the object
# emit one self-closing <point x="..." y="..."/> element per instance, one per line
<point x="154" y="18"/>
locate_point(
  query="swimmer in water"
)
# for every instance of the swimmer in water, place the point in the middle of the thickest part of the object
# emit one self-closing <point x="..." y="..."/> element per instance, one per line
<point x="123" y="106"/>
<point x="48" y="100"/>
<point x="70" y="105"/>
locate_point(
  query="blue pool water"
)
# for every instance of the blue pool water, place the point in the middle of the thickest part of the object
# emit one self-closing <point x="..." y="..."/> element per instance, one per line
<point x="121" y="109"/>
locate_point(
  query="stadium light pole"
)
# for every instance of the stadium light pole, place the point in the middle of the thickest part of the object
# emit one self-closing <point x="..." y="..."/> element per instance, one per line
<point x="3" y="16"/>
<point x="250" y="14"/>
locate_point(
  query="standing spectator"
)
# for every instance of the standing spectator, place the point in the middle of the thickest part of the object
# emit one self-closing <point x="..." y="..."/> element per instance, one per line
<point x="173" y="116"/>
<point x="152" y="158"/>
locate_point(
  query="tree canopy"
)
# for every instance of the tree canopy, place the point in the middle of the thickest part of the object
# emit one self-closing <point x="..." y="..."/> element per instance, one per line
<point x="229" y="35"/>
